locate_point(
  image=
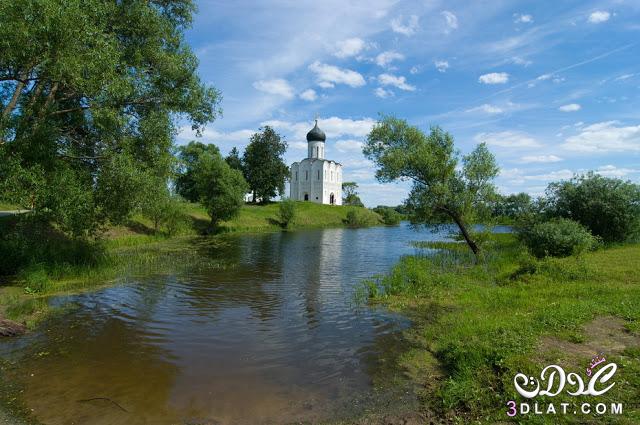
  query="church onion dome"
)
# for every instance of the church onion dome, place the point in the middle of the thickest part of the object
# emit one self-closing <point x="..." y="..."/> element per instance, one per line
<point x="316" y="135"/>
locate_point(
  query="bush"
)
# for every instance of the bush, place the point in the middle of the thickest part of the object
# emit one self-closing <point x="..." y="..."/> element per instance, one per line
<point x="390" y="217"/>
<point x="286" y="212"/>
<point x="558" y="238"/>
<point x="356" y="218"/>
<point x="609" y="208"/>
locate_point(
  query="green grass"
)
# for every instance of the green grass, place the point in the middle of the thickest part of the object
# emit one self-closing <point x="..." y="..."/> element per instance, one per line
<point x="476" y="326"/>
<point x="4" y="206"/>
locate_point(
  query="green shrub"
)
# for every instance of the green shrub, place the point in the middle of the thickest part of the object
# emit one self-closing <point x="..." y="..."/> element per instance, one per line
<point x="390" y="217"/>
<point x="357" y="218"/>
<point x="558" y="238"/>
<point x="286" y="212"/>
<point x="608" y="207"/>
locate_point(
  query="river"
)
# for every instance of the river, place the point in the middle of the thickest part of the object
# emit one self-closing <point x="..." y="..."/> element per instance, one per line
<point x="275" y="337"/>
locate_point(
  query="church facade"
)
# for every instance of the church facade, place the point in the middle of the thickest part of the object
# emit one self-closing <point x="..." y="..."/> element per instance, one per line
<point x="315" y="178"/>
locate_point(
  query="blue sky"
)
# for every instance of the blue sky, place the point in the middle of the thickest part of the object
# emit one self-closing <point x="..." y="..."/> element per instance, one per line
<point x="552" y="87"/>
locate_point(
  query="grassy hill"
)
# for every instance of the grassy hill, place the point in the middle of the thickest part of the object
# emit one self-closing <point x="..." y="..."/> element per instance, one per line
<point x="260" y="218"/>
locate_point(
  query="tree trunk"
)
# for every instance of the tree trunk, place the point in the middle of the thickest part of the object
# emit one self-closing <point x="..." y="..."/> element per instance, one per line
<point x="465" y="233"/>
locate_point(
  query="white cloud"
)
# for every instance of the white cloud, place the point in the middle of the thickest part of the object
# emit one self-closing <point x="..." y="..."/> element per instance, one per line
<point x="507" y="139"/>
<point x="544" y="77"/>
<point x="572" y="107"/>
<point x="494" y="78"/>
<point x="309" y="95"/>
<point x="517" y="60"/>
<point x="385" y="58"/>
<point x="624" y="77"/>
<point x="334" y="127"/>
<point x="278" y="86"/>
<point x="382" y="93"/>
<point x="487" y="108"/>
<point x="399" y="82"/>
<point x="211" y="135"/>
<point x="349" y="47"/>
<point x="613" y="171"/>
<point x="398" y="25"/>
<point x="539" y="159"/>
<point x="605" y="137"/>
<point x="329" y="75"/>
<point x="522" y="19"/>
<point x="348" y="146"/>
<point x="414" y="70"/>
<point x="599" y="16"/>
<point x="441" y="65"/>
<point x="450" y="19"/>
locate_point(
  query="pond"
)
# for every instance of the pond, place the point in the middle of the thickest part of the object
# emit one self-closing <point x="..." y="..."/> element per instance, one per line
<point x="276" y="337"/>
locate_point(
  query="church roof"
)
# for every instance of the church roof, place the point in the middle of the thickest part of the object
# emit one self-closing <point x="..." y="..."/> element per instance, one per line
<point x="316" y="135"/>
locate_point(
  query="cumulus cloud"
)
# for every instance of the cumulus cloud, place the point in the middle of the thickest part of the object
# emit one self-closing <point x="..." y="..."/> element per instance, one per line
<point x="613" y="171"/>
<point x="385" y="58"/>
<point x="409" y="28"/>
<point x="507" y="139"/>
<point x="396" y="81"/>
<point x="334" y="127"/>
<point x="211" y="135"/>
<point x="309" y="95"/>
<point x="278" y="87"/>
<point x="329" y="75"/>
<point x="450" y="20"/>
<point x="441" y="65"/>
<point x="382" y="93"/>
<point x="599" y="16"/>
<point x="519" y="18"/>
<point x="572" y="107"/>
<point x="605" y="137"/>
<point x="349" y="47"/>
<point x="539" y="159"/>
<point x="494" y="78"/>
<point x="414" y="70"/>
<point x="349" y="145"/>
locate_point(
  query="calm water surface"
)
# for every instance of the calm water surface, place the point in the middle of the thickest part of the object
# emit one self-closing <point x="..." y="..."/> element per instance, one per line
<point x="275" y="338"/>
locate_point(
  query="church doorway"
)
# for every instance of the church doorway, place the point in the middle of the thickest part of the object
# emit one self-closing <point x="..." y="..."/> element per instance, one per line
<point x="306" y="196"/>
<point x="332" y="199"/>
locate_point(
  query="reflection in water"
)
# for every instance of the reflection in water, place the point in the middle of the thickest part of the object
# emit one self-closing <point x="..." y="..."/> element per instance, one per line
<point x="272" y="339"/>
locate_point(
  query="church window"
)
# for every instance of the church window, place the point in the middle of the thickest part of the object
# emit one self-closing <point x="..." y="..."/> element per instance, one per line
<point x="296" y="176"/>
<point x="306" y="175"/>
<point x="318" y="174"/>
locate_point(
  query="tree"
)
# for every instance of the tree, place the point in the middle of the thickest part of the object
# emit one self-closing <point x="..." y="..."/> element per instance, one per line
<point x="350" y="194"/>
<point x="441" y="193"/>
<point x="233" y="159"/>
<point x="263" y="166"/>
<point x="89" y="96"/>
<point x="220" y="188"/>
<point x="513" y="206"/>
<point x="188" y="161"/>
<point x="608" y="207"/>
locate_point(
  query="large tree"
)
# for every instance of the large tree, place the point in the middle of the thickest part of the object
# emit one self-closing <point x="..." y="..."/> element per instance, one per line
<point x="234" y="160"/>
<point x="188" y="162"/>
<point x="263" y="166"/>
<point x="90" y="91"/>
<point x="441" y="191"/>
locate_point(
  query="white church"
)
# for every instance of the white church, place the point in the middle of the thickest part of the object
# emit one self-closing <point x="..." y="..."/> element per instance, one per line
<point x="314" y="178"/>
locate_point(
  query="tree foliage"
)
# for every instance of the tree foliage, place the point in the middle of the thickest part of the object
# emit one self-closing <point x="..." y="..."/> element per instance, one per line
<point x="234" y="160"/>
<point x="350" y="194"/>
<point x="89" y="94"/>
<point x="558" y="237"/>
<point x="609" y="207"/>
<point x="263" y="165"/>
<point x="188" y="162"/>
<point x="513" y="206"/>
<point x="441" y="192"/>
<point x="286" y="212"/>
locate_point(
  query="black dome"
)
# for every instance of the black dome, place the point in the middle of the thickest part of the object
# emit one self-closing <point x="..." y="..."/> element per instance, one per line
<point x="316" y="135"/>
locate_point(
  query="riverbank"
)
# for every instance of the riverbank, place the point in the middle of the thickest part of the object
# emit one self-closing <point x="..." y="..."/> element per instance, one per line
<point x="64" y="265"/>
<point x="477" y="326"/>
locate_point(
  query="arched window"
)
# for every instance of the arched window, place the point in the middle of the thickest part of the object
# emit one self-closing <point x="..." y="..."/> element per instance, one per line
<point x="306" y="175"/>
<point x="318" y="174"/>
<point x="296" y="176"/>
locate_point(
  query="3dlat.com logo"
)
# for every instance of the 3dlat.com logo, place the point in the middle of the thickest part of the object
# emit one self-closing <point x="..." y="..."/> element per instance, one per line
<point x="554" y="381"/>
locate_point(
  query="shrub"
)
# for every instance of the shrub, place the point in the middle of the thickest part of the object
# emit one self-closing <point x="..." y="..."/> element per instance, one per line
<point x="390" y="217"/>
<point x="558" y="238"/>
<point x="355" y="218"/>
<point x="286" y="212"/>
<point x="609" y="208"/>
